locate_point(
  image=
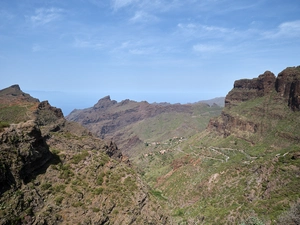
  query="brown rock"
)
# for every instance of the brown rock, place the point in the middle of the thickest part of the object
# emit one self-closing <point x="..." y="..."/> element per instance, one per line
<point x="285" y="89"/>
<point x="288" y="86"/>
<point x="247" y="89"/>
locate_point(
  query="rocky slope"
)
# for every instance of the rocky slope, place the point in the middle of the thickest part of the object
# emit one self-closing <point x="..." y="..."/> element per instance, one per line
<point x="56" y="172"/>
<point x="273" y="99"/>
<point x="131" y="124"/>
<point x="244" y="168"/>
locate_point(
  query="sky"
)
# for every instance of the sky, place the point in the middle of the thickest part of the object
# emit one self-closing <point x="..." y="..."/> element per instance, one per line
<point x="74" y="52"/>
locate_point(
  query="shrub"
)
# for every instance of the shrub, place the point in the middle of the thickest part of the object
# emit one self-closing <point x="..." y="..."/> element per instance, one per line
<point x="98" y="191"/>
<point x="96" y="209"/>
<point x="46" y="186"/>
<point x="79" y="157"/>
<point x="3" y="125"/>
<point x="100" y="179"/>
<point x="291" y="217"/>
<point x="59" y="200"/>
<point x="252" y="221"/>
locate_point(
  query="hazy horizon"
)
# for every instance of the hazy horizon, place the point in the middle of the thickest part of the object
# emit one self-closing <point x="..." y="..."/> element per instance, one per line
<point x="153" y="50"/>
<point x="70" y="101"/>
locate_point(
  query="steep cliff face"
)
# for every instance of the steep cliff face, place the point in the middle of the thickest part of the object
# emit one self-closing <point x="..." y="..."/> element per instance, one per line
<point x="56" y="172"/>
<point x="253" y="103"/>
<point x="288" y="86"/>
<point x="246" y="89"/>
<point x="23" y="152"/>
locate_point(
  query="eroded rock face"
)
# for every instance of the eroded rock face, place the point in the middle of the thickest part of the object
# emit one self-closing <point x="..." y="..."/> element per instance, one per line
<point x="285" y="89"/>
<point x="108" y="116"/>
<point x="104" y="103"/>
<point x="14" y="93"/>
<point x="288" y="86"/>
<point x="56" y="172"/>
<point x="227" y="124"/>
<point x="47" y="114"/>
<point x="23" y="152"/>
<point x="247" y="89"/>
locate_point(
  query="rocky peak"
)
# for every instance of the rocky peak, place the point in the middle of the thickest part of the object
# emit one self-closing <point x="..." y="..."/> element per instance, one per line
<point x="47" y="114"/>
<point x="44" y="105"/>
<point x="104" y="103"/>
<point x="15" y="92"/>
<point x="285" y="89"/>
<point x="246" y="89"/>
<point x="288" y="86"/>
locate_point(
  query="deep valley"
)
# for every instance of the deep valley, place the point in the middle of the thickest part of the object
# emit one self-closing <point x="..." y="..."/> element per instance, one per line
<point x="139" y="163"/>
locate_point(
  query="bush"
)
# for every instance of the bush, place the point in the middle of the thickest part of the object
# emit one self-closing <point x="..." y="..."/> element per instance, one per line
<point x="3" y="124"/>
<point x="79" y="157"/>
<point x="291" y="217"/>
<point x="100" y="179"/>
<point x="98" y="191"/>
<point x="59" y="200"/>
<point x="46" y="186"/>
<point x="252" y="221"/>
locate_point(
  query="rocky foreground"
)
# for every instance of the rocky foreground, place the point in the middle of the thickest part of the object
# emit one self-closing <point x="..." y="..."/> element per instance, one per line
<point x="56" y="172"/>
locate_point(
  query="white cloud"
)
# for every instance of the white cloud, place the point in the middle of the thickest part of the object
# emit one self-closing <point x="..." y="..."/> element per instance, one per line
<point x="192" y="31"/>
<point x="289" y="29"/>
<point x="141" y="16"/>
<point x="135" y="47"/>
<point x="46" y="15"/>
<point x="205" y="48"/>
<point x="142" y="51"/>
<point x="93" y="44"/>
<point x="117" y="4"/>
<point x="284" y="30"/>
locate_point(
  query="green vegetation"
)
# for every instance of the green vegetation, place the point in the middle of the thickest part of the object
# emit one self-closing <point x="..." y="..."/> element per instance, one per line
<point x="58" y="200"/>
<point x="14" y="114"/>
<point x="100" y="178"/>
<point x="158" y="194"/>
<point x="46" y="186"/>
<point x="79" y="157"/>
<point x="3" y="125"/>
<point x="252" y="221"/>
<point x="241" y="173"/>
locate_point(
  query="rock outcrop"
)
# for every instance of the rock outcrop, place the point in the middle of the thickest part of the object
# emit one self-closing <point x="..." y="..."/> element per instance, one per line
<point x="270" y="93"/>
<point x="247" y="89"/>
<point x="120" y="121"/>
<point x="56" y="172"/>
<point x="14" y="93"/>
<point x="288" y="86"/>
<point x="23" y="152"/>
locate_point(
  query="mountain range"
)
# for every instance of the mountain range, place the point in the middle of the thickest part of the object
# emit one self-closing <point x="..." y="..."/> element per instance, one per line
<point x="138" y="163"/>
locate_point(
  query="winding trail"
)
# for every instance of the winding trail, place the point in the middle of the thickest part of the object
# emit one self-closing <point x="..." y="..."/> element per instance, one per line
<point x="218" y="151"/>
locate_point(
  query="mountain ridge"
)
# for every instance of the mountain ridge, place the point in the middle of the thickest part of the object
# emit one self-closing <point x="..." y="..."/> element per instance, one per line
<point x="56" y="172"/>
<point x="127" y="121"/>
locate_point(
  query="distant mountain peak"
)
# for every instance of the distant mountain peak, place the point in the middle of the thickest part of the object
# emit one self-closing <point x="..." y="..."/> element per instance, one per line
<point x="14" y="92"/>
<point x="104" y="103"/>
<point x="16" y="86"/>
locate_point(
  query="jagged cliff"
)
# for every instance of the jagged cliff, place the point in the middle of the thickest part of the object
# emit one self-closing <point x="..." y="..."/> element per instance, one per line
<point x="253" y="103"/>
<point x="56" y="172"/>
<point x="131" y="124"/>
<point x="108" y="116"/>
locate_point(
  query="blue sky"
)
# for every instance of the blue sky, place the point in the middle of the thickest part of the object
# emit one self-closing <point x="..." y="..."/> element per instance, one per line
<point x="74" y="52"/>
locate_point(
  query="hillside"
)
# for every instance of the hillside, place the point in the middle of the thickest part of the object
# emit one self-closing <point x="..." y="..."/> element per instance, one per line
<point x="244" y="167"/>
<point x="188" y="164"/>
<point x="56" y="172"/>
<point x="132" y="124"/>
